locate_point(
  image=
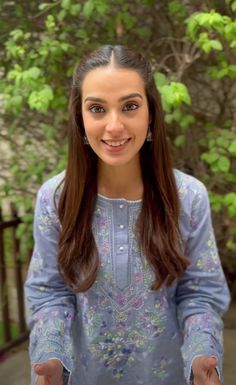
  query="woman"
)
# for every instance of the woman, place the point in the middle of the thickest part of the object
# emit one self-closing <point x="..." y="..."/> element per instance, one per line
<point x="125" y="285"/>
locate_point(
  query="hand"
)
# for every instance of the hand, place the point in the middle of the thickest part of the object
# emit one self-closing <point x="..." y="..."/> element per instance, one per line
<point x="204" y="372"/>
<point x="49" y="373"/>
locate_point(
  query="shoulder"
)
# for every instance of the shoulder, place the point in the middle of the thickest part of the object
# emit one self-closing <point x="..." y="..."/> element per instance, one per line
<point x="190" y="189"/>
<point x="50" y="190"/>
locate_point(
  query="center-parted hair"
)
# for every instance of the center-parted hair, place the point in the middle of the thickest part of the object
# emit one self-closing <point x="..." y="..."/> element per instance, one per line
<point x="157" y="226"/>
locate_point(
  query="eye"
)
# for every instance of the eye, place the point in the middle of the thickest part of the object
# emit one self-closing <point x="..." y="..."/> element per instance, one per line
<point x="130" y="107"/>
<point x="96" y="109"/>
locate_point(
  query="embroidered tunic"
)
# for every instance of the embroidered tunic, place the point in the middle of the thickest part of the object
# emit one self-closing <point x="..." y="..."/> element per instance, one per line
<point x="120" y="331"/>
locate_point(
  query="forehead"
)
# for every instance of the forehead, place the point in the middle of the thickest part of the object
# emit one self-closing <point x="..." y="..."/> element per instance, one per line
<point x="112" y="80"/>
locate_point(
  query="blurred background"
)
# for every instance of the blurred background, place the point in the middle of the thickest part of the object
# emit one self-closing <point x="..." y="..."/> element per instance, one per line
<point x="192" y="48"/>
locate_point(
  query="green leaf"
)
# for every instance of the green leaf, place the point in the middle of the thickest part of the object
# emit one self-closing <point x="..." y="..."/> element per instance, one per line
<point x="47" y="93"/>
<point x="143" y="32"/>
<point x="34" y="72"/>
<point x="216" y="44"/>
<point x="222" y="142"/>
<point x="204" y="19"/>
<point x="216" y="201"/>
<point x="211" y="157"/>
<point x="129" y="20"/>
<point x="39" y="100"/>
<point x="160" y="79"/>
<point x="232" y="70"/>
<point x="181" y="93"/>
<point x="180" y="140"/>
<point x="88" y="8"/>
<point x="230" y="198"/>
<point x="17" y="102"/>
<point x="81" y="33"/>
<point x="233" y="6"/>
<point x="177" y="10"/>
<point x="192" y="27"/>
<point x="16" y="34"/>
<point x="50" y="23"/>
<point x="102" y="8"/>
<point x="66" y="4"/>
<point x="175" y="94"/>
<point x="230" y="244"/>
<point x="211" y="144"/>
<point x="230" y="31"/>
<point x="61" y="15"/>
<point x="186" y="121"/>
<point x="222" y="73"/>
<point x="20" y="232"/>
<point x="169" y="118"/>
<point x="233" y="44"/>
<point x="206" y="47"/>
<point x="177" y="115"/>
<point x="43" y="6"/>
<point x="232" y="148"/>
<point x="75" y="9"/>
<point x="167" y="94"/>
<point x="223" y="164"/>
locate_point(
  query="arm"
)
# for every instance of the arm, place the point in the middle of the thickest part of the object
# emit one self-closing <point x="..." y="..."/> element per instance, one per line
<point x="51" y="303"/>
<point x="202" y="293"/>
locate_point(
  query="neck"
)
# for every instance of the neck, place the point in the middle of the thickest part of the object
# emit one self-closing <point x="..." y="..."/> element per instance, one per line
<point x="120" y="182"/>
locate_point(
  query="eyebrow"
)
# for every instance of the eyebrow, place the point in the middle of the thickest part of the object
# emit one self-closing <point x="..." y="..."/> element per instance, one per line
<point x="129" y="96"/>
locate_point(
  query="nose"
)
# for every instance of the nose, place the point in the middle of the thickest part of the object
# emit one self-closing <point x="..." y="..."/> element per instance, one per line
<point x="114" y="124"/>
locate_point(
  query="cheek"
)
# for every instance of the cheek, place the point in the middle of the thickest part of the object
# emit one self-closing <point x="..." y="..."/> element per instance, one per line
<point x="88" y="124"/>
<point x="92" y="129"/>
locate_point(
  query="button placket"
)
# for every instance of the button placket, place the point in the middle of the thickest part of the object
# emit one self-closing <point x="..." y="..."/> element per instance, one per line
<point x="121" y="259"/>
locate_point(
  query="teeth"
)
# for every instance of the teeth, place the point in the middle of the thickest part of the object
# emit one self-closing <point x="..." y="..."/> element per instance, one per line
<point x="115" y="143"/>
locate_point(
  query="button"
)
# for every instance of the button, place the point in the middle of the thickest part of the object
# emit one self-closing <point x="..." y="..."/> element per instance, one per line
<point x="122" y="227"/>
<point x="121" y="206"/>
<point x="121" y="248"/>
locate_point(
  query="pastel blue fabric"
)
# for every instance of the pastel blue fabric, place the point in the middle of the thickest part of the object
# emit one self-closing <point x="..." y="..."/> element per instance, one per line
<point x="120" y="331"/>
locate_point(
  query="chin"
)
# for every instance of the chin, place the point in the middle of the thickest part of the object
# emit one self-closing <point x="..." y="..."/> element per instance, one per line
<point x="115" y="162"/>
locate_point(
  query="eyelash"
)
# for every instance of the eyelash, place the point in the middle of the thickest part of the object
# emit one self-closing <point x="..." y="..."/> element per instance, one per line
<point x="132" y="104"/>
<point x="96" y="109"/>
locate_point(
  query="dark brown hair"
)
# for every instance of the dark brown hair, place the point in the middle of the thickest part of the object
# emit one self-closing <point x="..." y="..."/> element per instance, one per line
<point x="158" y="222"/>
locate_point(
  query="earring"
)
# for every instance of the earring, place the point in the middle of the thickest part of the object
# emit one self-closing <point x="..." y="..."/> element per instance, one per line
<point x="86" y="140"/>
<point x="149" y="135"/>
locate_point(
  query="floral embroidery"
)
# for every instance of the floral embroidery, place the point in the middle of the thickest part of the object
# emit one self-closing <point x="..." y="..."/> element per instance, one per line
<point x="160" y="370"/>
<point x="36" y="263"/>
<point x="124" y="331"/>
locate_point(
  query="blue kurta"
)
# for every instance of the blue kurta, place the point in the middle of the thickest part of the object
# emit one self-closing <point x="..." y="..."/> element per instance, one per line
<point x="120" y="331"/>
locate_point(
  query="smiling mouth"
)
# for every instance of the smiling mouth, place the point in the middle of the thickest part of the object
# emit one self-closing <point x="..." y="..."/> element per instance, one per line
<point x="116" y="143"/>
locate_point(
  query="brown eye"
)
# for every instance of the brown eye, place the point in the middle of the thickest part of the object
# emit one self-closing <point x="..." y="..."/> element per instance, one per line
<point x="130" y="107"/>
<point x="96" y="109"/>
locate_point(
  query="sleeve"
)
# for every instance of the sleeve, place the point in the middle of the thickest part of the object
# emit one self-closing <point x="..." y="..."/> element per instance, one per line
<point x="202" y="293"/>
<point x="50" y="303"/>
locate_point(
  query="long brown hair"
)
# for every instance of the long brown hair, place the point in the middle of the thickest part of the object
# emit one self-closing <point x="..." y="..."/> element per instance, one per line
<point x="158" y="222"/>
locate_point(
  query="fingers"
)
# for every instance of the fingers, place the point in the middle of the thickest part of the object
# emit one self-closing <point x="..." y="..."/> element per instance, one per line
<point x="40" y="381"/>
<point x="209" y="363"/>
<point x="214" y="380"/>
<point x="49" y="372"/>
<point x="204" y="371"/>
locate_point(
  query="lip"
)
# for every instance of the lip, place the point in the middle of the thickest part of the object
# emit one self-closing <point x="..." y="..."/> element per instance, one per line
<point x="115" y="149"/>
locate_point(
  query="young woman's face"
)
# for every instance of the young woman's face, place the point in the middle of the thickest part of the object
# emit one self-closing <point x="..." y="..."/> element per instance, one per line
<point x="115" y="114"/>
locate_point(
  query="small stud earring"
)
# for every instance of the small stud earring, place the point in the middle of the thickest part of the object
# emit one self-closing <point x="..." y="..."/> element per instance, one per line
<point x="149" y="135"/>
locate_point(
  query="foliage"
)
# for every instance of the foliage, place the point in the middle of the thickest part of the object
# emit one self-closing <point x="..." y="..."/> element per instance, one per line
<point x="192" y="46"/>
<point x="14" y="330"/>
